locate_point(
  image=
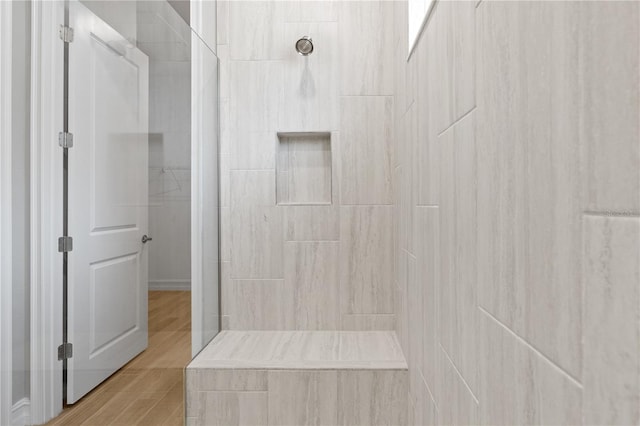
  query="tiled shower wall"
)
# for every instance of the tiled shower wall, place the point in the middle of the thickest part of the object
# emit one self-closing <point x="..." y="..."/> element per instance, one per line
<point x="517" y="184"/>
<point x="324" y="266"/>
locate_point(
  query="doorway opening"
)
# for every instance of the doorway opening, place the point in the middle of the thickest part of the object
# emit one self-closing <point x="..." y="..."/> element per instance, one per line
<point x="140" y="284"/>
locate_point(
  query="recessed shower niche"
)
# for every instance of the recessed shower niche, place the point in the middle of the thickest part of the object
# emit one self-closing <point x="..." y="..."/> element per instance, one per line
<point x="303" y="168"/>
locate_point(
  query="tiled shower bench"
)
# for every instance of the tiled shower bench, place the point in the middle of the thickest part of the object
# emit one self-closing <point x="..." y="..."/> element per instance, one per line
<point x="298" y="378"/>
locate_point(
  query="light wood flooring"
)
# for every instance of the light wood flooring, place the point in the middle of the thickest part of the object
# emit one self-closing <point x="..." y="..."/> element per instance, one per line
<point x="149" y="390"/>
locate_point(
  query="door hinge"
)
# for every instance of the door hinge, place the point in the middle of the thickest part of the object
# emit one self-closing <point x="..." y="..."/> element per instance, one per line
<point x="65" y="244"/>
<point x="65" y="139"/>
<point x="66" y="34"/>
<point x="65" y="351"/>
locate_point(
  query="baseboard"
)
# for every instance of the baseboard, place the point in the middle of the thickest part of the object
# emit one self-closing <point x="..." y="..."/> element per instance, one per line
<point x="170" y="285"/>
<point x="21" y="413"/>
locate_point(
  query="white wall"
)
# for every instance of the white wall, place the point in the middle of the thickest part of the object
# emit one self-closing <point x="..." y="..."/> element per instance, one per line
<point x="166" y="38"/>
<point x="311" y="266"/>
<point x="20" y="196"/>
<point x="170" y="175"/>
<point x="518" y="177"/>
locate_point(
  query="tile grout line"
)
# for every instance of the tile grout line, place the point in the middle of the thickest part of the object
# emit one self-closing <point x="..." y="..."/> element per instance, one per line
<point x="424" y="381"/>
<point x="458" y="120"/>
<point x="459" y="374"/>
<point x="528" y="345"/>
<point x="624" y="214"/>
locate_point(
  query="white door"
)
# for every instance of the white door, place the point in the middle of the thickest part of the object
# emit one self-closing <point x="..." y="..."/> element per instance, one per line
<point x="108" y="209"/>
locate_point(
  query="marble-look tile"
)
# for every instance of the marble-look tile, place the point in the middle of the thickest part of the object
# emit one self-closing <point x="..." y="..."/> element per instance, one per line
<point x="367" y="70"/>
<point x="518" y="386"/>
<point x="191" y="400"/>
<point x="457" y="404"/>
<point x="312" y="223"/>
<point x="228" y="380"/>
<point x="411" y="78"/>
<point x="370" y="345"/>
<point x="253" y="150"/>
<point x="294" y="350"/>
<point x="402" y="227"/>
<point x="310" y="89"/>
<point x="232" y="409"/>
<point x="457" y="295"/>
<point x="427" y="155"/>
<point x="365" y="322"/>
<point x="366" y="257"/>
<point x="415" y="313"/>
<point x="400" y="302"/>
<point x="422" y="408"/>
<point x="366" y="150"/>
<point x="225" y="128"/>
<point x="464" y="50"/>
<point x="311" y="274"/>
<point x="313" y="11"/>
<point x="222" y="17"/>
<point x="255" y="88"/>
<point x="455" y="37"/>
<point x="400" y="86"/>
<point x="464" y="345"/>
<point x="609" y="106"/>
<point x="260" y="305"/>
<point x="406" y="73"/>
<point x="224" y="76"/>
<point x="302" y="398"/>
<point x="304" y="169"/>
<point x="225" y="180"/>
<point x="256" y="30"/>
<point x="611" y="328"/>
<point x="407" y="160"/>
<point x="226" y="289"/>
<point x="529" y="175"/>
<point x="256" y="226"/>
<point x="395" y="217"/>
<point x="428" y="276"/>
<point x="400" y="24"/>
<point x="372" y="398"/>
<point x="224" y="325"/>
<point x="225" y="234"/>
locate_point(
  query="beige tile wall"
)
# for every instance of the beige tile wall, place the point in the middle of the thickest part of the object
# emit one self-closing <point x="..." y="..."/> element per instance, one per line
<point x="516" y="188"/>
<point x="312" y="266"/>
<point x="325" y="397"/>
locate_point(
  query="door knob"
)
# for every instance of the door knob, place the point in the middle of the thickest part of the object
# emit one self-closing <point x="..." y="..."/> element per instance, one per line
<point x="145" y="239"/>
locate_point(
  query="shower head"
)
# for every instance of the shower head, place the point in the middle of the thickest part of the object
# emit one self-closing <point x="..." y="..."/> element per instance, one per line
<point x="304" y="46"/>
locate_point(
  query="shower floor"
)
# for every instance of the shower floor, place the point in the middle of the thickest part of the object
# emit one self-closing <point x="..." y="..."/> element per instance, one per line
<point x="148" y="390"/>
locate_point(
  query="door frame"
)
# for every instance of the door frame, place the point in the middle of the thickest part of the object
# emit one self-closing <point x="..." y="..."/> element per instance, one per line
<point x="6" y="281"/>
<point x="46" y="209"/>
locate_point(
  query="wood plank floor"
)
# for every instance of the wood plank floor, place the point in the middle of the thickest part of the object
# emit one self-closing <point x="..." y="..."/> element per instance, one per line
<point x="148" y="390"/>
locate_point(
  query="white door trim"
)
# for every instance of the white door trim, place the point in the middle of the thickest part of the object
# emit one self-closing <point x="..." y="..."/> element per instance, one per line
<point x="6" y="282"/>
<point x="46" y="209"/>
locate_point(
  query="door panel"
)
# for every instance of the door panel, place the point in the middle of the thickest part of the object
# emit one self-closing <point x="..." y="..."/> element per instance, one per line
<point x="108" y="208"/>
